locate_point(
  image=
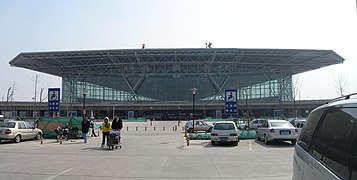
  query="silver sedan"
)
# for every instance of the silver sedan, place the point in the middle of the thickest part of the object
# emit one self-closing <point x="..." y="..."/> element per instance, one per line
<point x="18" y="130"/>
<point x="277" y="130"/>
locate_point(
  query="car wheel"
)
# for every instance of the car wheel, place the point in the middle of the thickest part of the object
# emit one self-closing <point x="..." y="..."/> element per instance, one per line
<point x="266" y="141"/>
<point x="258" y="138"/>
<point x="293" y="142"/>
<point x="38" y="136"/>
<point x="235" y="143"/>
<point x="17" y="138"/>
<point x="213" y="143"/>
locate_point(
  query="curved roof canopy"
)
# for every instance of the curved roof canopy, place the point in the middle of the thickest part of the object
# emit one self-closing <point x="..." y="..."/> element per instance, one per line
<point x="220" y="68"/>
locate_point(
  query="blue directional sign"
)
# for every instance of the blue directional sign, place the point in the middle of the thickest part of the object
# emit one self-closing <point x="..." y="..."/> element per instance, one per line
<point x="54" y="99"/>
<point x="231" y="101"/>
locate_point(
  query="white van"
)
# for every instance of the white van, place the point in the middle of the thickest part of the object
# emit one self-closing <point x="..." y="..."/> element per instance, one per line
<point x="327" y="146"/>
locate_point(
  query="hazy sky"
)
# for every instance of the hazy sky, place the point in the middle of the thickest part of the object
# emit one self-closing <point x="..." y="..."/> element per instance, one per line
<point x="42" y="25"/>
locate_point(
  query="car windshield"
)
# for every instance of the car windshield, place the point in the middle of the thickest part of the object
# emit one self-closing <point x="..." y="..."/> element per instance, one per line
<point x="280" y="124"/>
<point x="224" y="126"/>
<point x="7" y="124"/>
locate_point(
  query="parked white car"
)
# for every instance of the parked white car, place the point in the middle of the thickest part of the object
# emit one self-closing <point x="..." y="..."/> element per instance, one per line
<point x="225" y="131"/>
<point x="200" y="125"/>
<point x="277" y="130"/>
<point x="253" y="124"/>
<point x="294" y="121"/>
<point x="18" y="130"/>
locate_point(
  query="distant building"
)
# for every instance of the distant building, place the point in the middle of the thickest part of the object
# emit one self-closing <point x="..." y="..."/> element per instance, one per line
<point x="167" y="75"/>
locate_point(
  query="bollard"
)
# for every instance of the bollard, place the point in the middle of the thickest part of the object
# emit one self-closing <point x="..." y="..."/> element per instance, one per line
<point x="187" y="140"/>
<point x="154" y="128"/>
<point x="163" y="128"/>
<point x="61" y="140"/>
<point x="175" y="128"/>
<point x="145" y="128"/>
<point x="41" y="139"/>
<point x="136" y="128"/>
<point x="150" y="123"/>
<point x="127" y="128"/>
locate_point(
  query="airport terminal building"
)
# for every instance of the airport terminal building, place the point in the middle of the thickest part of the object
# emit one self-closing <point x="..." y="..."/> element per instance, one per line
<point x="146" y="77"/>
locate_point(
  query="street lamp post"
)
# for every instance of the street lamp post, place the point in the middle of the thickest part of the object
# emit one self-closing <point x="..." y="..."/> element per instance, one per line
<point x="84" y="101"/>
<point x="193" y="107"/>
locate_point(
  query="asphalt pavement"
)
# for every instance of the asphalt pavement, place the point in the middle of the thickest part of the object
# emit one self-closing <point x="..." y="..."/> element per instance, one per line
<point x="146" y="153"/>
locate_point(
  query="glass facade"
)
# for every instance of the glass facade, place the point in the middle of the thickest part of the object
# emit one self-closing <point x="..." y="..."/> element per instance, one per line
<point x="72" y="91"/>
<point x="278" y="90"/>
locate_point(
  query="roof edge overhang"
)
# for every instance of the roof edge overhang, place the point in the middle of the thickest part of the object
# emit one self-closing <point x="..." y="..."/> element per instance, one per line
<point x="16" y="61"/>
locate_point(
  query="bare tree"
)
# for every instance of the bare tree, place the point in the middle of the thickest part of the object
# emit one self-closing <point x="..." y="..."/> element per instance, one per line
<point x="278" y="90"/>
<point x="244" y="92"/>
<point x="10" y="97"/>
<point x="341" y="83"/>
<point x="38" y="94"/>
<point x="295" y="88"/>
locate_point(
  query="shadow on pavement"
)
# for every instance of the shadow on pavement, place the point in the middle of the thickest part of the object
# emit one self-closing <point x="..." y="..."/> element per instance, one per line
<point x="106" y="148"/>
<point x="220" y="144"/>
<point x="276" y="144"/>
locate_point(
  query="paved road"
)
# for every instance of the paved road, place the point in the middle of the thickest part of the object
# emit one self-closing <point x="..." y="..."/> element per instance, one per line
<point x="145" y="155"/>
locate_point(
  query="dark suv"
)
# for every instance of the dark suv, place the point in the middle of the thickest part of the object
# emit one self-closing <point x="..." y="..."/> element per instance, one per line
<point x="327" y="146"/>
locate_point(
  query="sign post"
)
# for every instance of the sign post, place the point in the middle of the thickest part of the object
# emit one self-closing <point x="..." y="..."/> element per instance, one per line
<point x="231" y="102"/>
<point x="54" y="100"/>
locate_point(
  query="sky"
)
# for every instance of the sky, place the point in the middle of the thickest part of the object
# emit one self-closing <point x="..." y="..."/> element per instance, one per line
<point x="42" y="25"/>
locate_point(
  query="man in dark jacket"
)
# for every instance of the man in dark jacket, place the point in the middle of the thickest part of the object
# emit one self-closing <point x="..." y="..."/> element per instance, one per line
<point x="117" y="125"/>
<point x="85" y="128"/>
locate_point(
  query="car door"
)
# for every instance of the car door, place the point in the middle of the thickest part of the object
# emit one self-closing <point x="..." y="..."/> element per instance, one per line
<point x="260" y="122"/>
<point x="199" y="125"/>
<point x="262" y="129"/>
<point x="205" y="126"/>
<point x="353" y="157"/>
<point x="330" y="146"/>
<point x="22" y="130"/>
<point x="32" y="132"/>
<point x="253" y="123"/>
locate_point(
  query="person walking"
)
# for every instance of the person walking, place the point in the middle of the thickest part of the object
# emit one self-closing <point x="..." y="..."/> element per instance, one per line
<point x="106" y="127"/>
<point x="92" y="131"/>
<point x="117" y="125"/>
<point x="85" y="128"/>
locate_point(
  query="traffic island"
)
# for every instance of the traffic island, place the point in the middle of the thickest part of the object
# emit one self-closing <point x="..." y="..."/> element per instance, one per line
<point x="248" y="134"/>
